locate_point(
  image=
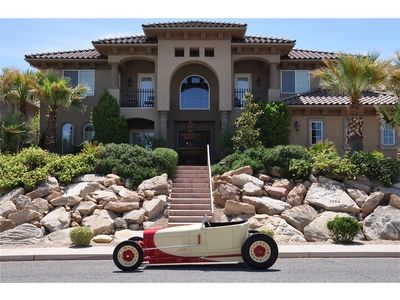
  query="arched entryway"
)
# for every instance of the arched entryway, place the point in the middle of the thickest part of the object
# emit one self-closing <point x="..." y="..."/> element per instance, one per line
<point x="194" y="119"/>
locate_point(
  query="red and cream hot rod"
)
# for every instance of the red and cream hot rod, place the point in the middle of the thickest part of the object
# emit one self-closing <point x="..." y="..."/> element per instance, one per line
<point x="198" y="243"/>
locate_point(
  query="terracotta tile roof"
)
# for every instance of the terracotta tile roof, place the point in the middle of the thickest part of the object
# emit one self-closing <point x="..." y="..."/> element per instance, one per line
<point x="321" y="97"/>
<point x="194" y="24"/>
<point x="74" y="54"/>
<point x="249" y="39"/>
<point x="134" y="39"/>
<point x="297" y="54"/>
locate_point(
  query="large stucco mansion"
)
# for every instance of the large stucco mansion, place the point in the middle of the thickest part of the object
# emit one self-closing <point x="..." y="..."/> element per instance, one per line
<point x="182" y="77"/>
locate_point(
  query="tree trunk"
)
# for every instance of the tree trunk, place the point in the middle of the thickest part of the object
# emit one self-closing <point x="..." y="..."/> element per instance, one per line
<point x="51" y="132"/>
<point x="22" y="109"/>
<point x="355" y="127"/>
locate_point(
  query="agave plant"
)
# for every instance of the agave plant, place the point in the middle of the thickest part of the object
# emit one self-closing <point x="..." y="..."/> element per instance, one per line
<point x="351" y="76"/>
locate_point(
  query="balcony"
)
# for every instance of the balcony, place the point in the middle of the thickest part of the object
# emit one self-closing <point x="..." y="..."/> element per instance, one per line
<point x="259" y="95"/>
<point x="138" y="98"/>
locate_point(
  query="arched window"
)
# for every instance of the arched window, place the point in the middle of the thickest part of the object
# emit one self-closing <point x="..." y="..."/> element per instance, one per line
<point x="194" y="93"/>
<point x="67" y="138"/>
<point x="88" y="132"/>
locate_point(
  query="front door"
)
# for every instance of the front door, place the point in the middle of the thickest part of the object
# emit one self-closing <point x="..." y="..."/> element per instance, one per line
<point x="192" y="146"/>
<point x="145" y="90"/>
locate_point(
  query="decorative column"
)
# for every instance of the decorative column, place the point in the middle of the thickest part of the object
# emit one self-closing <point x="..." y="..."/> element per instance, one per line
<point x="274" y="92"/>
<point x="163" y="124"/>
<point x="224" y="120"/>
<point x="114" y="80"/>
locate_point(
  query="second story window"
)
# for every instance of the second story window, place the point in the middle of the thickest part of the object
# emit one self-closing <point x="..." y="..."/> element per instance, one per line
<point x="295" y="81"/>
<point x="194" y="93"/>
<point x="83" y="77"/>
<point x="209" y="52"/>
<point x="194" y="52"/>
<point x="179" y="52"/>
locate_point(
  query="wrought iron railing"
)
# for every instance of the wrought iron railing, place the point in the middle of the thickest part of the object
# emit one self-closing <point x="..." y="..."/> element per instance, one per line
<point x="259" y="95"/>
<point x="138" y="98"/>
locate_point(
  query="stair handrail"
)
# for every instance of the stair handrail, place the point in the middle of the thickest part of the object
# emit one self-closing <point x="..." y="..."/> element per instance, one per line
<point x="209" y="178"/>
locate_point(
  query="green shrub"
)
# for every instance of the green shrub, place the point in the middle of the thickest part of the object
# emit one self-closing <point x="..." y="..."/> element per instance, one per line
<point x="109" y="126"/>
<point x="282" y="155"/>
<point x="299" y="169"/>
<point x="267" y="231"/>
<point x="165" y="159"/>
<point x="225" y="142"/>
<point x="81" y="236"/>
<point x="274" y="123"/>
<point x="323" y="147"/>
<point x="375" y="165"/>
<point x="344" y="229"/>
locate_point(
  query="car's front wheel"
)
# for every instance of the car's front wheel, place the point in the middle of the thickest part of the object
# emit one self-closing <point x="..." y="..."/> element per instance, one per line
<point x="259" y="251"/>
<point x="128" y="256"/>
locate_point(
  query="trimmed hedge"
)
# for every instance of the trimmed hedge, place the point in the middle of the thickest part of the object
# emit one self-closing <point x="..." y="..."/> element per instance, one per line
<point x="166" y="159"/>
<point x="81" y="236"/>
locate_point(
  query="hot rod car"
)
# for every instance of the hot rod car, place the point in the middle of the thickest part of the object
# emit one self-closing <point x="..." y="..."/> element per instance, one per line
<point x="198" y="243"/>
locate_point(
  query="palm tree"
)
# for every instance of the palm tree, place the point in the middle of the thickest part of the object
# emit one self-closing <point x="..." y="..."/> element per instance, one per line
<point x="16" y="87"/>
<point x="391" y="115"/>
<point x="55" y="91"/>
<point x="13" y="132"/>
<point x="351" y="76"/>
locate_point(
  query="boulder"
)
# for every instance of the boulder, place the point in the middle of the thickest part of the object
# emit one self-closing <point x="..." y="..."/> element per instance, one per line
<point x="388" y="191"/>
<point x="241" y="179"/>
<point x="371" y="202"/>
<point x="266" y="205"/>
<point x="158" y="184"/>
<point x="357" y="185"/>
<point x="243" y="170"/>
<point x="241" y="217"/>
<point x="22" y="202"/>
<point x="224" y="178"/>
<point x="234" y="208"/>
<point x="299" y="216"/>
<point x="276" y="171"/>
<point x="57" y="219"/>
<point x="12" y="195"/>
<point x="125" y="194"/>
<point x="75" y="189"/>
<point x="148" y="194"/>
<point x="40" y="205"/>
<point x="66" y="201"/>
<point x="224" y="192"/>
<point x="90" y="188"/>
<point x="276" y="192"/>
<point x="153" y="207"/>
<point x="23" y="234"/>
<point x="24" y="216"/>
<point x="383" y="224"/>
<point x="134" y="216"/>
<point x="318" y="230"/>
<point x="296" y="195"/>
<point x="396" y="185"/>
<point x="45" y="188"/>
<point x="134" y="227"/>
<point x="59" y="237"/>
<point x="328" y="181"/>
<point x="86" y="208"/>
<point x="102" y="238"/>
<point x="76" y="216"/>
<point x="104" y="195"/>
<point x="250" y="189"/>
<point x="219" y="216"/>
<point x="358" y="196"/>
<point x="53" y="195"/>
<point x="120" y="223"/>
<point x="283" y="183"/>
<point x="283" y="232"/>
<point x="394" y="201"/>
<point x="6" y="208"/>
<point x="121" y="207"/>
<point x="89" y="178"/>
<point x="312" y="178"/>
<point x="6" y="224"/>
<point x="330" y="197"/>
<point x="101" y="221"/>
<point x="264" y="178"/>
<point x="125" y="234"/>
<point x="148" y="224"/>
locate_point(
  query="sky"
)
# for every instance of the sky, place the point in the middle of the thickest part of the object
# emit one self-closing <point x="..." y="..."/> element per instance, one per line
<point x="27" y="36"/>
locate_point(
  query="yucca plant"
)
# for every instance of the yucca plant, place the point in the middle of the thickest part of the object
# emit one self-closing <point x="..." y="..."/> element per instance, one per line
<point x="351" y="76"/>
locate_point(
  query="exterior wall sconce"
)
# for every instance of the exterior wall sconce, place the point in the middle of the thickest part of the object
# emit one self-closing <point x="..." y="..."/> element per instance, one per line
<point x="296" y="126"/>
<point x="258" y="82"/>
<point x="130" y="81"/>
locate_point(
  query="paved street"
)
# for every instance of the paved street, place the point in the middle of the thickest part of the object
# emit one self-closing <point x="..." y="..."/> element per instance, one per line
<point x="285" y="270"/>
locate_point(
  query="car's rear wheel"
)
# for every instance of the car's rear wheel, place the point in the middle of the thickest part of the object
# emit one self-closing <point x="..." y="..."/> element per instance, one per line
<point x="259" y="251"/>
<point x="128" y="256"/>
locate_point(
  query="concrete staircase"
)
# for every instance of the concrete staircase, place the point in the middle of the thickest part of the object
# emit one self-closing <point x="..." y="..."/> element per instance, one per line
<point x="190" y="197"/>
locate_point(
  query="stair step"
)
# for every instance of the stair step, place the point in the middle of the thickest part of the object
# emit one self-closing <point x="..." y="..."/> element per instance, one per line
<point x="196" y="175"/>
<point x="190" y="201"/>
<point x="189" y="219"/>
<point x="190" y="190"/>
<point x="188" y="212"/>
<point x="201" y="171"/>
<point x="190" y="185"/>
<point x="191" y="180"/>
<point x="191" y="168"/>
<point x="190" y="195"/>
<point x="187" y="206"/>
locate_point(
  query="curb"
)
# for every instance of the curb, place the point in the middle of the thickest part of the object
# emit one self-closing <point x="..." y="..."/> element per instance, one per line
<point x="285" y="251"/>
